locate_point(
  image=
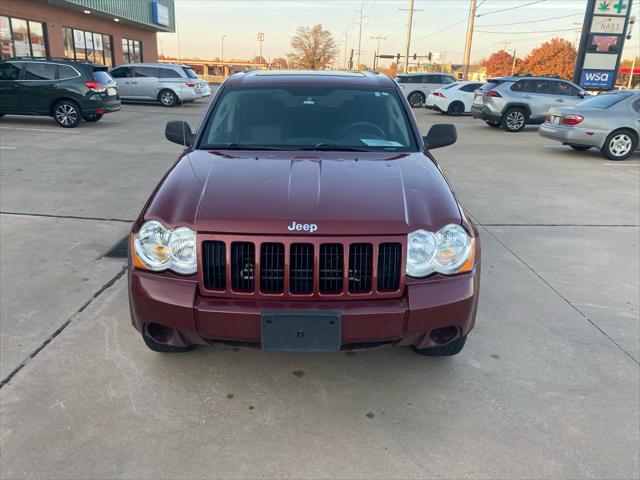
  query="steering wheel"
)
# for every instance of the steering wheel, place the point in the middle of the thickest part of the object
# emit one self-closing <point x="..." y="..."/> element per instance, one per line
<point x="367" y="125"/>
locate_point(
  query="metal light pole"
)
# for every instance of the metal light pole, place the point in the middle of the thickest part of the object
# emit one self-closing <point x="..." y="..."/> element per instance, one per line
<point x="222" y="55"/>
<point x="633" y="67"/>
<point x="406" y="61"/>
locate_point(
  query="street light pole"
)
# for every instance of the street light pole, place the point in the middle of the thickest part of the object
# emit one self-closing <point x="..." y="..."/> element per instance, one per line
<point x="469" y="40"/>
<point x="406" y="58"/>
<point x="222" y="55"/>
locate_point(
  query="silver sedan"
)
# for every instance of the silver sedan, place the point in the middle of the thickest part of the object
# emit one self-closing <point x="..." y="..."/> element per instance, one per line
<point x="609" y="122"/>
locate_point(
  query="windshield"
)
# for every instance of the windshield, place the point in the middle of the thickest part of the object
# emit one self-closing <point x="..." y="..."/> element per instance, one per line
<point x="190" y="73"/>
<point x="604" y="100"/>
<point x="309" y="118"/>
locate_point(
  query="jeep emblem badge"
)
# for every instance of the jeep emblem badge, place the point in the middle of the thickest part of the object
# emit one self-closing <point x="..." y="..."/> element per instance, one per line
<point x="305" y="227"/>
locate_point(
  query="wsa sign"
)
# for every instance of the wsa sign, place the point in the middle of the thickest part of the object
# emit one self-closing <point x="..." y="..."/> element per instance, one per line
<point x="597" y="78"/>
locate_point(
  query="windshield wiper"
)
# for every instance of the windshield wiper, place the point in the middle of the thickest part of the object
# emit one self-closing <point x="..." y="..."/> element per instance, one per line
<point x="327" y="147"/>
<point x="241" y="146"/>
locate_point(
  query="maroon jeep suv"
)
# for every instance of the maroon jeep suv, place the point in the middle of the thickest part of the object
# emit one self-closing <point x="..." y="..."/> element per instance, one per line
<point x="306" y="214"/>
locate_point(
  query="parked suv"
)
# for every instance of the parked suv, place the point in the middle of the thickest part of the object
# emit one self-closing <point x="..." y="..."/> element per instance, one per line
<point x="418" y="86"/>
<point x="306" y="214"/>
<point x="513" y="102"/>
<point x="66" y="90"/>
<point x="166" y="83"/>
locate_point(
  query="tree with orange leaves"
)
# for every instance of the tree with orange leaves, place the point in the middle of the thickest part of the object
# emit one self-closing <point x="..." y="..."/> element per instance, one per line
<point x="498" y="64"/>
<point x="556" y="57"/>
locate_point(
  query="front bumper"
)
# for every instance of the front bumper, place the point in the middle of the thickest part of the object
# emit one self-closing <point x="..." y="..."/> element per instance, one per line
<point x="484" y="113"/>
<point x="573" y="135"/>
<point x="176" y="302"/>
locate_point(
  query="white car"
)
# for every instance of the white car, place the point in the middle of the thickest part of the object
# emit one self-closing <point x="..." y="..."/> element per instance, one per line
<point x="417" y="86"/>
<point x="453" y="99"/>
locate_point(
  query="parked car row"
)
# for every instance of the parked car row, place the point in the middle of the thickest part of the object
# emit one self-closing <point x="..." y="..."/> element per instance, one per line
<point x="609" y="122"/>
<point x="71" y="91"/>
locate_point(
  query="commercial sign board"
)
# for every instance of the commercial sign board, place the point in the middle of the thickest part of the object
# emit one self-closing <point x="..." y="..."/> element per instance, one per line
<point x="160" y="13"/>
<point x="603" y="34"/>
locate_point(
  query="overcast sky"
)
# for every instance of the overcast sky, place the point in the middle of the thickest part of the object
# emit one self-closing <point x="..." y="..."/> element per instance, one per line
<point x="439" y="26"/>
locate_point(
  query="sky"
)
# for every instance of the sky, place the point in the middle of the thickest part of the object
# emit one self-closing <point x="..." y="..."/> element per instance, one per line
<point x="439" y="26"/>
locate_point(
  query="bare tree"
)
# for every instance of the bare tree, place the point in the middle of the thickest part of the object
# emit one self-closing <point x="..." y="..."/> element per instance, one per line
<point x="313" y="48"/>
<point x="280" y="63"/>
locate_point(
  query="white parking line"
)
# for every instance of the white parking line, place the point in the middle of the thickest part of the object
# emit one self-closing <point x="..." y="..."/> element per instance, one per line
<point x="31" y="129"/>
<point x="622" y="164"/>
<point x="7" y="148"/>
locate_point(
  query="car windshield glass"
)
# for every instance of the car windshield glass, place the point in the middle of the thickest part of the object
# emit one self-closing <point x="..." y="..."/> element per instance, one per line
<point x="190" y="73"/>
<point x="604" y="100"/>
<point x="309" y="118"/>
<point x="102" y="76"/>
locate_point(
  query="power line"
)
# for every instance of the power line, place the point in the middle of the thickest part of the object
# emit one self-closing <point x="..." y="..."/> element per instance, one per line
<point x="534" y="31"/>
<point x="511" y="8"/>
<point x="530" y="21"/>
<point x="440" y="31"/>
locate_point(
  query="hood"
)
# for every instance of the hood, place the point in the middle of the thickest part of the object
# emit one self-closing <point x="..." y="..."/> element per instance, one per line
<point x="340" y="193"/>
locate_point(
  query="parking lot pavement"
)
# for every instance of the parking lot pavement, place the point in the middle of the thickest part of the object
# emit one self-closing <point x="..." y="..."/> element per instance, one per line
<point x="547" y="386"/>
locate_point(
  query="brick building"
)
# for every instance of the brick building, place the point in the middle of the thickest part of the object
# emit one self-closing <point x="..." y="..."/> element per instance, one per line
<point x="110" y="32"/>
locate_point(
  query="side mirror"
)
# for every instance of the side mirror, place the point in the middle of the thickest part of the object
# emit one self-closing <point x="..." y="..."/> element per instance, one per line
<point x="179" y="132"/>
<point x="440" y="135"/>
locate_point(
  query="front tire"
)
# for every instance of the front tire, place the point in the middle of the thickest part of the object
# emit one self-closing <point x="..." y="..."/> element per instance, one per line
<point x="620" y="145"/>
<point x="416" y="99"/>
<point x="93" y="118"/>
<point x="456" y="109"/>
<point x="580" y="148"/>
<point x="167" y="98"/>
<point x="66" y="114"/>
<point x="514" y="120"/>
<point x="162" y="348"/>
<point x="451" y="348"/>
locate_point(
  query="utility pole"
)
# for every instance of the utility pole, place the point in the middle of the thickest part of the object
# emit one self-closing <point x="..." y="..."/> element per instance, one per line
<point x="469" y="40"/>
<point x="222" y="56"/>
<point x="375" y="58"/>
<point x="409" y="26"/>
<point x="346" y="38"/>
<point x="513" y="65"/>
<point x="359" y="36"/>
<point x="633" y="67"/>
<point x="260" y="39"/>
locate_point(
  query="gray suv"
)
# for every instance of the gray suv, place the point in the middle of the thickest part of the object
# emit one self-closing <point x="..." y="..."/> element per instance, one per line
<point x="166" y="83"/>
<point x="513" y="102"/>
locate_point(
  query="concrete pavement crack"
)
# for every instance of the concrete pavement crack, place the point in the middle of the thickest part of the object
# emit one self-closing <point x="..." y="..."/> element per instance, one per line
<point x="72" y="217"/>
<point x="576" y="309"/>
<point x="61" y="328"/>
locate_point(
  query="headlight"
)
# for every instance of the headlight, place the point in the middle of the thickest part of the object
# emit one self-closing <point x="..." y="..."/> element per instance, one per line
<point x="450" y="250"/>
<point x="157" y="248"/>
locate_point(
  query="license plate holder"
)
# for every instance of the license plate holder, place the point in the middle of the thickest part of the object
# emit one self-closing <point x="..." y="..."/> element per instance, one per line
<point x="301" y="331"/>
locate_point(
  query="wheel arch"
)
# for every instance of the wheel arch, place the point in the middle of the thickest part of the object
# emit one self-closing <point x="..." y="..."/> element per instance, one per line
<point x="57" y="100"/>
<point x="524" y="106"/>
<point x="621" y="129"/>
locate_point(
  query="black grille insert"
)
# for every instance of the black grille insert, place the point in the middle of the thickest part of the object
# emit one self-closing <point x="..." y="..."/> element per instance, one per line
<point x="331" y="268"/>
<point x="360" y="267"/>
<point x="272" y="268"/>
<point x="301" y="268"/>
<point x="389" y="263"/>
<point x="243" y="259"/>
<point x="214" y="263"/>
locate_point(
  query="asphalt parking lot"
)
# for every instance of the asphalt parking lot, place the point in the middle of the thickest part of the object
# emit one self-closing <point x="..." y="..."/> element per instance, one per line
<point x="548" y="385"/>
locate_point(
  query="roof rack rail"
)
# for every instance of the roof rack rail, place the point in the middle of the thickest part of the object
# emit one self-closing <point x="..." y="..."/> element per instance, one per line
<point x="49" y="58"/>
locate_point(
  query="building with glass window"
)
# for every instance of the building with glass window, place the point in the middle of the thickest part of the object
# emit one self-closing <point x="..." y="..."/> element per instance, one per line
<point x="110" y="32"/>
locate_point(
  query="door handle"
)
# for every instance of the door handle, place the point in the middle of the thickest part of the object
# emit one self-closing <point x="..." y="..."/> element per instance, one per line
<point x="527" y="96"/>
<point x="559" y="100"/>
<point x="127" y="83"/>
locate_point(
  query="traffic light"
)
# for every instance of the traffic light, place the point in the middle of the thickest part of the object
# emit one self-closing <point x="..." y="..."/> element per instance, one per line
<point x="429" y="56"/>
<point x="415" y="57"/>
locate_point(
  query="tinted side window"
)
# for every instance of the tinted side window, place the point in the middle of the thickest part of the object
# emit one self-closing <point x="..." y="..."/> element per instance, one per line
<point x="145" y="72"/>
<point x="168" y="73"/>
<point x="431" y="79"/>
<point x="122" y="72"/>
<point x="471" y="87"/>
<point x="444" y="79"/>
<point x="636" y="106"/>
<point x="65" y="71"/>
<point x="39" y="71"/>
<point x="534" y="86"/>
<point x="9" y="71"/>
<point x="563" y="88"/>
<point x="102" y="76"/>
